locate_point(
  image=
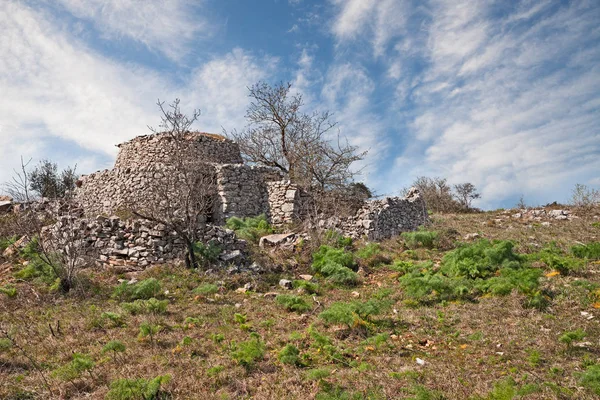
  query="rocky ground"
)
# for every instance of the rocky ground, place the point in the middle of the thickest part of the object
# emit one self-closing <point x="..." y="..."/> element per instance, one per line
<point x="228" y="335"/>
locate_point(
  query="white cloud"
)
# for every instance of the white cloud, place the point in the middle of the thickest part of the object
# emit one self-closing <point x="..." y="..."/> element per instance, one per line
<point x="510" y="103"/>
<point x="57" y="92"/>
<point x="167" y="26"/>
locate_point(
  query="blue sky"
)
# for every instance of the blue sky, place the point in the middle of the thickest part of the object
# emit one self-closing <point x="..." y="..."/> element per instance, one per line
<point x="505" y="95"/>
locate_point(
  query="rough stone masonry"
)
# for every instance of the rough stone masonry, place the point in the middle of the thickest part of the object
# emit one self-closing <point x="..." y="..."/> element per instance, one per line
<point x="242" y="191"/>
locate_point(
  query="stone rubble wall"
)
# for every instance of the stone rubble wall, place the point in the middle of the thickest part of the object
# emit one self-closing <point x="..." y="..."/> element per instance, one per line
<point x="384" y="218"/>
<point x="288" y="203"/>
<point x="156" y="148"/>
<point x="242" y="192"/>
<point x="138" y="243"/>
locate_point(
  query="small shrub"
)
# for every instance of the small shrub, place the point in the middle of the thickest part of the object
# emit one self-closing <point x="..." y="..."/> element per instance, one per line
<point x="207" y="254"/>
<point x="308" y="287"/>
<point x="335" y="265"/>
<point x="138" y="389"/>
<point x="250" y="228"/>
<point x="372" y="255"/>
<point x="148" y="330"/>
<point x="335" y="239"/>
<point x="5" y="344"/>
<point x="402" y="266"/>
<point x="290" y="355"/>
<point x="150" y="306"/>
<point x="142" y="290"/>
<point x="115" y="318"/>
<point x="420" y="238"/>
<point x="214" y="371"/>
<point x="590" y="251"/>
<point x="36" y="269"/>
<point x="326" y="255"/>
<point x="217" y="337"/>
<point x="572" y="336"/>
<point x="317" y="374"/>
<point x="471" y="270"/>
<point x="114" y="347"/>
<point x="8" y="290"/>
<point x="420" y="392"/>
<point x="249" y="352"/>
<point x="293" y="303"/>
<point x="354" y="314"/>
<point x="339" y="275"/>
<point x="556" y="259"/>
<point x="206" y="289"/>
<point x="79" y="364"/>
<point x="590" y="379"/>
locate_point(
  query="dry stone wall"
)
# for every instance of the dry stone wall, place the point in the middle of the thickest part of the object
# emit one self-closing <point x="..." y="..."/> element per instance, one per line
<point x="139" y="243"/>
<point x="382" y="219"/>
<point x="157" y="148"/>
<point x="287" y="203"/>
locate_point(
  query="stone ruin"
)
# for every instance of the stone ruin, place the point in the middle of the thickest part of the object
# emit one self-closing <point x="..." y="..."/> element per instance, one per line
<point x="241" y="190"/>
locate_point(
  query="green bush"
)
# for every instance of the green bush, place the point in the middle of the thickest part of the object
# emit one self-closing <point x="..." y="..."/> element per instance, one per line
<point x="472" y="270"/>
<point x="250" y="228"/>
<point x="572" y="336"/>
<point x="372" y="255"/>
<point x="354" y="314"/>
<point x="207" y="254"/>
<point x="590" y="379"/>
<point x="308" y="287"/>
<point x="142" y="290"/>
<point x="115" y="318"/>
<point x="290" y="355"/>
<point x="335" y="265"/>
<point x="590" y="251"/>
<point x="6" y="242"/>
<point x="293" y="303"/>
<point x="326" y="255"/>
<point x="36" y="268"/>
<point x="206" y="289"/>
<point x="481" y="259"/>
<point x="336" y="239"/>
<point x="78" y="365"/>
<point x="8" y="290"/>
<point x="556" y="259"/>
<point x="148" y="330"/>
<point x="138" y="389"/>
<point x="402" y="266"/>
<point x="420" y="238"/>
<point x="249" y="352"/>
<point x="317" y="374"/>
<point x="150" y="306"/>
<point x="113" y="346"/>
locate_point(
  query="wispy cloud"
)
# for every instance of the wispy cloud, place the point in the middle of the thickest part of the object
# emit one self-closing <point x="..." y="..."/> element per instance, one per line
<point x="166" y="26"/>
<point x="64" y="101"/>
<point x="508" y="98"/>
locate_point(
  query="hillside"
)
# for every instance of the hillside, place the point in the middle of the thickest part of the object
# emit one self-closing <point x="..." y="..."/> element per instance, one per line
<point x="494" y="305"/>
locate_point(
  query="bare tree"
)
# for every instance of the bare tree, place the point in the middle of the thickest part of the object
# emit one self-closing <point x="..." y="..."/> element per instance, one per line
<point x="18" y="186"/>
<point x="280" y="135"/>
<point x="465" y="193"/>
<point x="584" y="196"/>
<point x="56" y="236"/>
<point x="437" y="194"/>
<point x="181" y="190"/>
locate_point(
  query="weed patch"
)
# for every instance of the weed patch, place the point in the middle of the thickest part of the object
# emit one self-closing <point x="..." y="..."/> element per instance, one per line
<point x="142" y="290"/>
<point x="420" y="238"/>
<point x="134" y="389"/>
<point x="335" y="265"/>
<point x="250" y="228"/>
<point x="293" y="303"/>
<point x="472" y="270"/>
